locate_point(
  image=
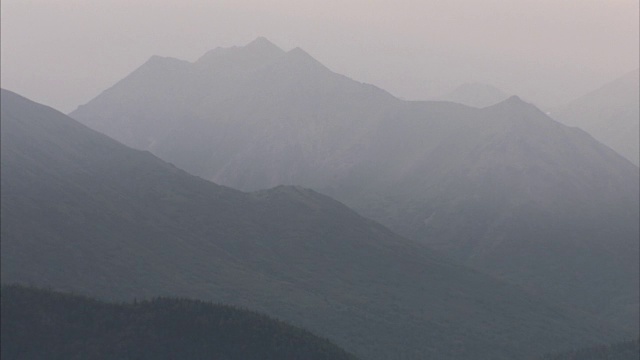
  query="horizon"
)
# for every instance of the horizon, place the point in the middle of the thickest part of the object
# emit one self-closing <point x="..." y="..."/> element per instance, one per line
<point x="65" y="53"/>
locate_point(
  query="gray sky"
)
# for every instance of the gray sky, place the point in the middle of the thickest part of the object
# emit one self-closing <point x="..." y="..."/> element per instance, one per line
<point x="64" y="52"/>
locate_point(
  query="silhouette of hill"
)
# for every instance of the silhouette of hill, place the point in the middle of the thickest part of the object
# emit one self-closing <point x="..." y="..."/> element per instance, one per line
<point x="40" y="324"/>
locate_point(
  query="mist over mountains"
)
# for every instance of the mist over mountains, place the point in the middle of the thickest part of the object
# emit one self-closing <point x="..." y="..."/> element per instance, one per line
<point x="505" y="189"/>
<point x="610" y="113"/>
<point x="83" y="213"/>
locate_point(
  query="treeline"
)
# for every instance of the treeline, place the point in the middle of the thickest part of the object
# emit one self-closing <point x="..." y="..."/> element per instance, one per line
<point x="42" y="324"/>
<point x="627" y="350"/>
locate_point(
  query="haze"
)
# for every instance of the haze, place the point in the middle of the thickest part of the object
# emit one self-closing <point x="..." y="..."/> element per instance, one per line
<point x="272" y="156"/>
<point x="65" y="52"/>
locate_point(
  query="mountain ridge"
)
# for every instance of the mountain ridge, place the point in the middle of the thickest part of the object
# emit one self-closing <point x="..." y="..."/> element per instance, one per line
<point x="610" y="113"/>
<point x="477" y="95"/>
<point x="84" y="213"/>
<point x="37" y="322"/>
<point x="480" y="185"/>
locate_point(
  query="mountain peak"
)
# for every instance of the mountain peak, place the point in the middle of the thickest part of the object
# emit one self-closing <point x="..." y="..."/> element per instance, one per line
<point x="254" y="53"/>
<point x="515" y="99"/>
<point x="297" y="56"/>
<point x="513" y="102"/>
<point x="515" y="106"/>
<point x="262" y="43"/>
<point x="162" y="61"/>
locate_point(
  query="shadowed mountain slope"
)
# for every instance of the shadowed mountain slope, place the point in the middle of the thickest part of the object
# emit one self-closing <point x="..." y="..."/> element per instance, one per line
<point x="39" y="324"/>
<point x="84" y="213"/>
<point x="505" y="188"/>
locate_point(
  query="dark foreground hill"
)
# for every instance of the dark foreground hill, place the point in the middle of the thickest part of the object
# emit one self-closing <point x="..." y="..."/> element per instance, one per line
<point x="82" y="212"/>
<point x="39" y="324"/>
<point x="627" y="350"/>
<point x="505" y="189"/>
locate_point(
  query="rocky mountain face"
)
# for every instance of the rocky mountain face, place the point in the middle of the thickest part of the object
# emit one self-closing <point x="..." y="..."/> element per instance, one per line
<point x="611" y="114"/>
<point x="505" y="188"/>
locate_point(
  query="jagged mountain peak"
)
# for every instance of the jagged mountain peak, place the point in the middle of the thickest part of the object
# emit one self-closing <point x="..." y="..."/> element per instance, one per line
<point x="262" y="43"/>
<point x="298" y="51"/>
<point x="516" y="112"/>
<point x="163" y="61"/>
<point x="297" y="56"/>
<point x="515" y="104"/>
<point x="514" y="100"/>
<point x="259" y="50"/>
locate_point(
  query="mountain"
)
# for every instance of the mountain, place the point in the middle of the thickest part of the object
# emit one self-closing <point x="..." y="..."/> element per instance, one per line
<point x="505" y="189"/>
<point x="81" y="212"/>
<point x="475" y="94"/>
<point x="162" y="103"/>
<point x="41" y="323"/>
<point x="611" y="114"/>
<point x="627" y="350"/>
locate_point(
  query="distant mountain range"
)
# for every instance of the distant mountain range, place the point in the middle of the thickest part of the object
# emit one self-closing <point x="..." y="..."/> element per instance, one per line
<point x="611" y="114"/>
<point x="42" y="324"/>
<point x="475" y="94"/>
<point x="81" y="212"/>
<point x="505" y="188"/>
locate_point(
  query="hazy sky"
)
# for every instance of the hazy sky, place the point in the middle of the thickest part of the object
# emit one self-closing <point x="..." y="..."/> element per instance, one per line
<point x="64" y="52"/>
